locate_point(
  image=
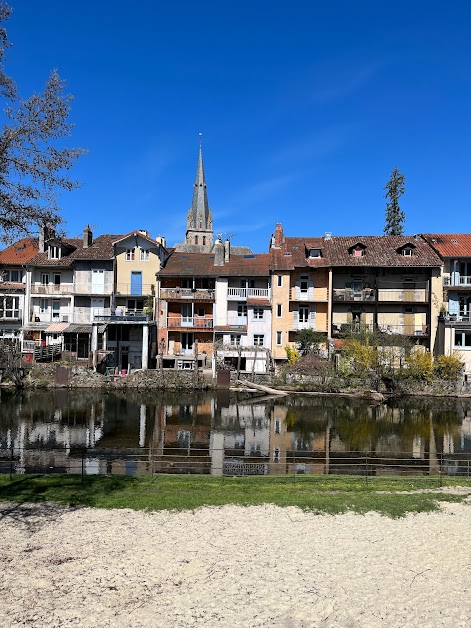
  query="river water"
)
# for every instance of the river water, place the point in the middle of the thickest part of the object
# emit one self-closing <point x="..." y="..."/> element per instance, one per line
<point x="91" y="432"/>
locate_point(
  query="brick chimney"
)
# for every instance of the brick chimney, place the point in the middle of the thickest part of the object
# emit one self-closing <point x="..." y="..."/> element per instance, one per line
<point x="279" y="235"/>
<point x="227" y="250"/>
<point x="219" y="253"/>
<point x="87" y="237"/>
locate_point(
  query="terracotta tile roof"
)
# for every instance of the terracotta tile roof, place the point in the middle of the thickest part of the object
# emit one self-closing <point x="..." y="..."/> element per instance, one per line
<point x="12" y="286"/>
<point x="202" y="264"/>
<point x="117" y="239"/>
<point x="258" y="302"/>
<point x="381" y="251"/>
<point x="20" y="252"/>
<point x="450" y="244"/>
<point x="100" y="249"/>
<point x="294" y="253"/>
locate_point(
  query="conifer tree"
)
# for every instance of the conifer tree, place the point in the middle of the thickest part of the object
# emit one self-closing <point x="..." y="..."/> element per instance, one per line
<point x="395" y="188"/>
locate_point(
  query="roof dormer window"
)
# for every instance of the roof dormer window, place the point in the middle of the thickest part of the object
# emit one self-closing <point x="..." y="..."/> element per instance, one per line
<point x="315" y="253"/>
<point x="54" y="251"/>
<point x="357" y="250"/>
<point x="407" y="252"/>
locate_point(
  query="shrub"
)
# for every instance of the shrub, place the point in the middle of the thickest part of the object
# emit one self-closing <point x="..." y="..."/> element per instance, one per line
<point x="448" y="367"/>
<point x="420" y="365"/>
<point x="364" y="356"/>
<point x="292" y="354"/>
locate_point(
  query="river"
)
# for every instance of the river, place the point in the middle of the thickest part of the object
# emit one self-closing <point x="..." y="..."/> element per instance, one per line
<point x="96" y="432"/>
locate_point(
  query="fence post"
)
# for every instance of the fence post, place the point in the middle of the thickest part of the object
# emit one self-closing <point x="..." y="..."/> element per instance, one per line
<point x="11" y="460"/>
<point x="366" y="467"/>
<point x="441" y="468"/>
<point x="83" y="461"/>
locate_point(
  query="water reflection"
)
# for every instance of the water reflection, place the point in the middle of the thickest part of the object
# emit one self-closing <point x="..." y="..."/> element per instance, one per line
<point x="133" y="433"/>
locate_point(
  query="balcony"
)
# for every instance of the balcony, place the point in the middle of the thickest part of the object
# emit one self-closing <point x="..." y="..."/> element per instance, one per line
<point x="348" y="294"/>
<point x="234" y="323"/>
<point x="457" y="281"/>
<point x="138" y="289"/>
<point x="312" y="294"/>
<point x="52" y="289"/>
<point x="409" y="296"/>
<point x="63" y="316"/>
<point x="347" y="329"/>
<point x="297" y="325"/>
<point x="242" y="294"/>
<point x="453" y="319"/>
<point x="187" y="294"/>
<point x="194" y="322"/>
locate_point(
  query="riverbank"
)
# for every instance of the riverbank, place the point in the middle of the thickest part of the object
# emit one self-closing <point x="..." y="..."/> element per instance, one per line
<point x="77" y="376"/>
<point x="260" y="566"/>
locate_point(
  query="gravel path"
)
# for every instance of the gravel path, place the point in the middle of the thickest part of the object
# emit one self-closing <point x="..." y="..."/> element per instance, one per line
<point x="233" y="566"/>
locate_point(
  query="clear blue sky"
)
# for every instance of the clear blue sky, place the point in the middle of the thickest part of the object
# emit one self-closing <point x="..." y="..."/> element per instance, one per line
<point x="305" y="108"/>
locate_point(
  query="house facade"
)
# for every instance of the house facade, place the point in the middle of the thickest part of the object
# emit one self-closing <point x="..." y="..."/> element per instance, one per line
<point x="454" y="331"/>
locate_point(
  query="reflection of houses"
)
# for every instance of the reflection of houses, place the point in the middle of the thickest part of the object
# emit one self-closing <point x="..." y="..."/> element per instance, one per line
<point x="13" y="307"/>
<point x="455" y="322"/>
<point x="300" y="271"/>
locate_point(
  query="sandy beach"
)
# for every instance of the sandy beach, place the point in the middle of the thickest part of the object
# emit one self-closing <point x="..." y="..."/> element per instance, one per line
<point x="233" y="566"/>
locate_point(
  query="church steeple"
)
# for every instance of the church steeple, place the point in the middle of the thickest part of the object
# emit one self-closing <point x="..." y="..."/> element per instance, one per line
<point x="199" y="223"/>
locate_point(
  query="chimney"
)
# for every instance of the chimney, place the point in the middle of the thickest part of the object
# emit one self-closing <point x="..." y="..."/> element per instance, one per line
<point x="144" y="232"/>
<point x="227" y="250"/>
<point x="42" y="238"/>
<point x="87" y="237"/>
<point x="328" y="236"/>
<point x="161" y="240"/>
<point x="219" y="253"/>
<point x="279" y="235"/>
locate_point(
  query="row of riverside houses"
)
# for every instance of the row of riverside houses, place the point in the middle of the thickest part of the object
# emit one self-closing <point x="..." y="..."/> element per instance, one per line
<point x="129" y="302"/>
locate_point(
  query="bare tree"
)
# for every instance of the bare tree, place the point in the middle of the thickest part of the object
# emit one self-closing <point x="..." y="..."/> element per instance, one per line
<point x="33" y="165"/>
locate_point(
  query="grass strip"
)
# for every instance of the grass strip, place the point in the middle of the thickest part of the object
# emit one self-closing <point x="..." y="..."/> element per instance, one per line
<point x="319" y="494"/>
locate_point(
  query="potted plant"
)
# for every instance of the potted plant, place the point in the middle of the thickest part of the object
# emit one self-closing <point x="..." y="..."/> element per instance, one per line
<point x="149" y="307"/>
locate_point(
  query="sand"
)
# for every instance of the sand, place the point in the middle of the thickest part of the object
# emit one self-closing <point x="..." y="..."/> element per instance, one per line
<point x="233" y="566"/>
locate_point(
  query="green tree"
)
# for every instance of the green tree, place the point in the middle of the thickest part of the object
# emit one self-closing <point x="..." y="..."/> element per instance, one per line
<point x="395" y="188"/>
<point x="309" y="340"/>
<point x="33" y="164"/>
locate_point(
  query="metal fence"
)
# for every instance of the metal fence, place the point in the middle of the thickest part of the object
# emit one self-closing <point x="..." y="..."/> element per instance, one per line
<point x="231" y="463"/>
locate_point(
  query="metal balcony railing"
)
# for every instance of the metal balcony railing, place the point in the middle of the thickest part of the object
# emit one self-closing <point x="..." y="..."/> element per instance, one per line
<point x="145" y="289"/>
<point x="187" y="293"/>
<point x="248" y="293"/>
<point x="52" y="288"/>
<point x="348" y="294"/>
<point x="456" y="280"/>
<point x="197" y="322"/>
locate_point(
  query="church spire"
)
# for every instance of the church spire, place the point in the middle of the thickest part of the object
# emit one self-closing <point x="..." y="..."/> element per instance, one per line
<point x="199" y="223"/>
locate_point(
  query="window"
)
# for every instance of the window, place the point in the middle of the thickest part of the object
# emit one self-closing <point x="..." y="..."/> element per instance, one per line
<point x="258" y="340"/>
<point x="407" y="252"/>
<point x="201" y="312"/>
<point x="45" y="279"/>
<point x="278" y="338"/>
<point x="57" y="279"/>
<point x="277" y="426"/>
<point x="276" y="454"/>
<point x="358" y="252"/>
<point x="130" y="253"/>
<point x="196" y="239"/>
<point x="54" y="252"/>
<point x="204" y="240"/>
<point x="279" y="310"/>
<point x="242" y="309"/>
<point x="145" y="255"/>
<point x="135" y="305"/>
<point x="258" y="313"/>
<point x="10" y="275"/>
<point x="304" y="285"/>
<point x="303" y="313"/>
<point x="43" y="305"/>
<point x="235" y="340"/>
<point x="463" y="338"/>
<point x="314" y="253"/>
<point x="9" y="307"/>
<point x="279" y="281"/>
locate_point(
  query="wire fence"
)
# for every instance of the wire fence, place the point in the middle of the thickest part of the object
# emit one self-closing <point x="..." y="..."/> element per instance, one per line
<point x="291" y="464"/>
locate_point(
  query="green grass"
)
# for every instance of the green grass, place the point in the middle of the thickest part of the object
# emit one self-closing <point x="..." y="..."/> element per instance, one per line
<point x="320" y="494"/>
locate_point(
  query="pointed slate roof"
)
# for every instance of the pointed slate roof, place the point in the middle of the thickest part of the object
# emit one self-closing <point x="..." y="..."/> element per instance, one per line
<point x="199" y="214"/>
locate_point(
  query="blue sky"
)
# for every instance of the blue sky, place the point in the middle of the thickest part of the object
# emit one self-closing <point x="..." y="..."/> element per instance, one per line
<point x="305" y="108"/>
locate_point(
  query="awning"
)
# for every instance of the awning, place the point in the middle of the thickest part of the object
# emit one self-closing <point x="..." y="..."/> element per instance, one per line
<point x="56" y="328"/>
